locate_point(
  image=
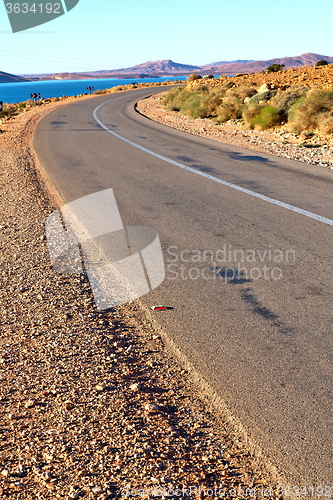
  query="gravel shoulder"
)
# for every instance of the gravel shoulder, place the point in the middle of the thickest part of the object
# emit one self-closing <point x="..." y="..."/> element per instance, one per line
<point x="280" y="143"/>
<point x="92" y="404"/>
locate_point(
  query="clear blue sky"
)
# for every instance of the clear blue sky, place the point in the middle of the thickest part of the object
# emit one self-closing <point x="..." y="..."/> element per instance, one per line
<point x="106" y="34"/>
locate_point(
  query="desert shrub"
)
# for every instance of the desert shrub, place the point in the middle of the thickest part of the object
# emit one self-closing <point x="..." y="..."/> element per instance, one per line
<point x="22" y="105"/>
<point x="284" y="99"/>
<point x="195" y="106"/>
<point x="175" y="98"/>
<point x="267" y="117"/>
<point x="99" y="91"/>
<point x="322" y="63"/>
<point x="274" y="68"/>
<point x="8" y="109"/>
<point x="262" y="96"/>
<point x="326" y="125"/>
<point x="193" y="77"/>
<point x="233" y="103"/>
<point x="310" y="110"/>
<point x="229" y="109"/>
<point x="250" y="111"/>
<point x="199" y="103"/>
<point x="241" y="92"/>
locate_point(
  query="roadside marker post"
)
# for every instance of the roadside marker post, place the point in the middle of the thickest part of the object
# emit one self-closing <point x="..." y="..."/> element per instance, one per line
<point x="1" y="106"/>
<point x="35" y="95"/>
<point x="90" y="88"/>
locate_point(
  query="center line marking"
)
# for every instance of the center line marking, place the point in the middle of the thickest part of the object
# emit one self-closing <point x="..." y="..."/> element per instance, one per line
<point x="311" y="215"/>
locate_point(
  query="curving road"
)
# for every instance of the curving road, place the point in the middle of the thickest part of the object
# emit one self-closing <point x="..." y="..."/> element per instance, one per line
<point x="261" y="335"/>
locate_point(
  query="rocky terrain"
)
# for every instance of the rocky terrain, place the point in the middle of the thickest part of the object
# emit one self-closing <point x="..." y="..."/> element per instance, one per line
<point x="92" y="405"/>
<point x="308" y="76"/>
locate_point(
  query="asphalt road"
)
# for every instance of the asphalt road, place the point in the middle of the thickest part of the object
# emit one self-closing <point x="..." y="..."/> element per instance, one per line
<point x="263" y="341"/>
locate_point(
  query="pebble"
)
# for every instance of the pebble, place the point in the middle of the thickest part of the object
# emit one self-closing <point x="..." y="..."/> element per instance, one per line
<point x="73" y="494"/>
<point x="68" y="405"/>
<point x="30" y="403"/>
<point x="97" y="490"/>
<point x="136" y="387"/>
<point x="151" y="407"/>
<point x="100" y="387"/>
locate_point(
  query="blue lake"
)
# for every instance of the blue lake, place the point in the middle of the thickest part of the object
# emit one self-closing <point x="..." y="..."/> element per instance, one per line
<point x="18" y="92"/>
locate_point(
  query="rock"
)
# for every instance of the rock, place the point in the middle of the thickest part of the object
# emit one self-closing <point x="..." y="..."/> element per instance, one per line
<point x="20" y="470"/>
<point x="136" y="387"/>
<point x="97" y="490"/>
<point x="264" y="87"/>
<point x="100" y="387"/>
<point x="73" y="493"/>
<point x="30" y="403"/>
<point x="5" y="472"/>
<point x="151" y="407"/>
<point x="68" y="405"/>
<point x="306" y="135"/>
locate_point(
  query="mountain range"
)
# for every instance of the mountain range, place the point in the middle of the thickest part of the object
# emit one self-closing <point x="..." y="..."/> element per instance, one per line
<point x="165" y="68"/>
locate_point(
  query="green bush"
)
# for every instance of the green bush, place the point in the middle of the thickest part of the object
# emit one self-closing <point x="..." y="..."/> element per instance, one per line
<point x="200" y="103"/>
<point x="175" y="98"/>
<point x="311" y="110"/>
<point x="22" y="105"/>
<point x="250" y="111"/>
<point x="284" y="99"/>
<point x="193" y="77"/>
<point x="233" y="103"/>
<point x="322" y="63"/>
<point x="267" y="117"/>
<point x="275" y="68"/>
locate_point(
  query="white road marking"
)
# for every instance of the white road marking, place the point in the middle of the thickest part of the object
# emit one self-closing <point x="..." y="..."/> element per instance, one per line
<point x="215" y="179"/>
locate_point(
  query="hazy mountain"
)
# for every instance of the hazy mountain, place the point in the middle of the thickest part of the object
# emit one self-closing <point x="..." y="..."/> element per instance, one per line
<point x="7" y="78"/>
<point x="307" y="59"/>
<point x="220" y="63"/>
<point x="165" y="67"/>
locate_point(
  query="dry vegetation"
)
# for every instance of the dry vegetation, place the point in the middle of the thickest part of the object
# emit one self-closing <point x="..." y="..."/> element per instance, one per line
<point x="301" y="100"/>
